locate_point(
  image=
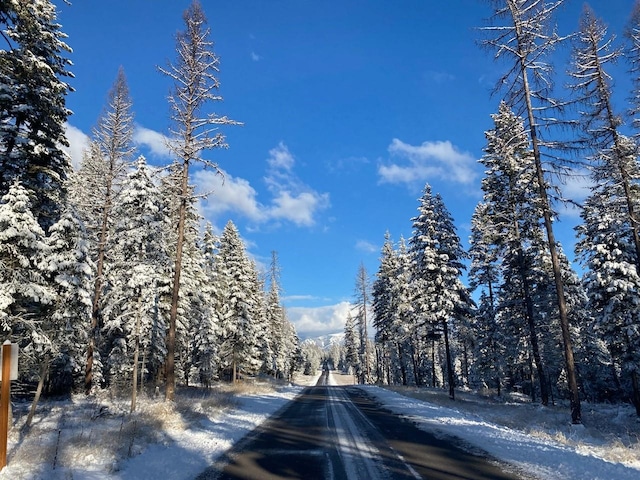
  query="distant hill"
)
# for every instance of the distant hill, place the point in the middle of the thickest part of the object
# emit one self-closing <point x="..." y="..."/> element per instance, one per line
<point x="325" y="341"/>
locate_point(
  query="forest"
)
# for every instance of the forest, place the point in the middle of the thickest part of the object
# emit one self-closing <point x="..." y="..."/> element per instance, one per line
<point x="109" y="278"/>
<point x="527" y="321"/>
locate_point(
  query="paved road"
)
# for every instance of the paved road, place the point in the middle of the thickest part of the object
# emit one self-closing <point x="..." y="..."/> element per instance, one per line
<point x="331" y="432"/>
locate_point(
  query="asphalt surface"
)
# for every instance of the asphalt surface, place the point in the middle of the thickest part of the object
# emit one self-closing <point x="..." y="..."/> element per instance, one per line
<point x="337" y="432"/>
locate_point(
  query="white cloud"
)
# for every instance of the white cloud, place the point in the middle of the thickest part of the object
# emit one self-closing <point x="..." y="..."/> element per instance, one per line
<point x="299" y="209"/>
<point x="78" y="143"/>
<point x="313" y="322"/>
<point x="431" y="160"/>
<point x="156" y="142"/>
<point x="280" y="158"/>
<point x="575" y="188"/>
<point x="291" y="199"/>
<point x="230" y="194"/>
<point x="440" y="77"/>
<point x="366" y="246"/>
<point x="255" y="57"/>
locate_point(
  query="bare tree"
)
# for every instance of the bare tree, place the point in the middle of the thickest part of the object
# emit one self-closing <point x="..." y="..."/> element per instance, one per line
<point x="194" y="74"/>
<point x="97" y="185"/>
<point x="613" y="156"/>
<point x="521" y="35"/>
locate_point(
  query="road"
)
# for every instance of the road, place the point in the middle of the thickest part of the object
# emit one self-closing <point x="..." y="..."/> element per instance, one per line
<point x="338" y="432"/>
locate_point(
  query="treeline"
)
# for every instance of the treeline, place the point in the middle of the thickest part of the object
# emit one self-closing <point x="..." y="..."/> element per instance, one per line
<point x="107" y="278"/>
<point x="535" y="325"/>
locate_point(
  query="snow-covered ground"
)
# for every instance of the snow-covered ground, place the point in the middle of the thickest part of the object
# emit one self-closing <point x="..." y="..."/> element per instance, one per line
<point x="540" y="441"/>
<point x="80" y="439"/>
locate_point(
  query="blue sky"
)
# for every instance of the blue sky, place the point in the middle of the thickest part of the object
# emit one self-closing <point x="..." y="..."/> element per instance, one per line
<point x="349" y="108"/>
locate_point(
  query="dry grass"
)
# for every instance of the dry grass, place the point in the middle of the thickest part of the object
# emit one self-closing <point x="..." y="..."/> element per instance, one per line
<point x="101" y="428"/>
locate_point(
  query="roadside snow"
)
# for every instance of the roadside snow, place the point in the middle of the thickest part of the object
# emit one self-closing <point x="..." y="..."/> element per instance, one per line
<point x="533" y="454"/>
<point x="80" y="441"/>
<point x="75" y="440"/>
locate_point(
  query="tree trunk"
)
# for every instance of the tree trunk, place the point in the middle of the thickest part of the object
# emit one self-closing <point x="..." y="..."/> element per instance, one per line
<point x="433" y="363"/>
<point x="465" y="364"/>
<point x="403" y="365"/>
<point x="175" y="293"/>
<point x="636" y="391"/>
<point x="416" y="367"/>
<point x="574" y="394"/>
<point x="98" y="285"/>
<point x="532" y="379"/>
<point x="450" y="380"/>
<point x="136" y="353"/>
<point x="234" y="375"/>
<point x="44" y="369"/>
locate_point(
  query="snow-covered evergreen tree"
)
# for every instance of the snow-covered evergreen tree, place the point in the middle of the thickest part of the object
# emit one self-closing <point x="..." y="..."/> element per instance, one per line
<point x="511" y="215"/>
<point x="136" y="277"/>
<point x="606" y="248"/>
<point x="352" y="347"/>
<point x="207" y="329"/>
<point x="484" y="275"/>
<point x="392" y="311"/>
<point x="238" y="325"/>
<point x="361" y="305"/>
<point x="25" y="294"/>
<point x="281" y="342"/>
<point x="32" y="106"/>
<point x="72" y="271"/>
<point x="384" y="307"/>
<point x="437" y="261"/>
<point x="614" y="164"/>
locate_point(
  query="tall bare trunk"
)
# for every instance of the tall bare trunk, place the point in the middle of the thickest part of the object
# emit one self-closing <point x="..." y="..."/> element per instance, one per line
<point x="450" y="380"/>
<point x="97" y="290"/>
<point x="175" y="293"/>
<point x="574" y="394"/>
<point x="136" y="354"/>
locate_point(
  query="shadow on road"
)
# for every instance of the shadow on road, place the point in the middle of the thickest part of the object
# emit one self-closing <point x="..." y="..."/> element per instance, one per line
<point x="307" y="441"/>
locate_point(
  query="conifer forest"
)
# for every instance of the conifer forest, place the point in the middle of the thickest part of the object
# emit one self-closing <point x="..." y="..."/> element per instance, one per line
<point x="111" y="279"/>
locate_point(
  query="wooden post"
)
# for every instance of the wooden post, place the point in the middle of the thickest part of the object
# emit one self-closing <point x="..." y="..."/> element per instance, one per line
<point x="5" y="392"/>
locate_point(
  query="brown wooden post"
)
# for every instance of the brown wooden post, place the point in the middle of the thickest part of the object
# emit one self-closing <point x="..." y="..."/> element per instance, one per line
<point x="5" y="392"/>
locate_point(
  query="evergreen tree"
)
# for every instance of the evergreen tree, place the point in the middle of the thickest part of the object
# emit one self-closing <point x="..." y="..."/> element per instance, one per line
<point x="136" y="276"/>
<point x="392" y="311"/>
<point x="383" y="307"/>
<point x="32" y="106"/>
<point x="352" y="348"/>
<point x="238" y="332"/>
<point x="484" y="275"/>
<point x="437" y="258"/>
<point x="206" y="354"/>
<point x="512" y="212"/>
<point x="72" y="271"/>
<point x="362" y="294"/>
<point x="607" y="250"/>
<point x="281" y="343"/>
<point x="404" y="325"/>
<point x="25" y="294"/>
<point x="613" y="155"/>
